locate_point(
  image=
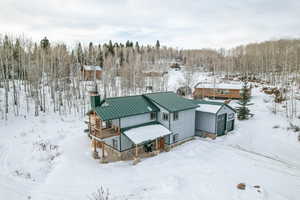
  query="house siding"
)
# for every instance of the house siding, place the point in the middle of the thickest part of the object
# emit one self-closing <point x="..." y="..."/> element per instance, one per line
<point x="109" y="141"/>
<point x="165" y="123"/>
<point x="205" y="122"/>
<point x="224" y="110"/>
<point x="228" y="111"/>
<point x="184" y="126"/>
<point x="125" y="143"/>
<point x="135" y="120"/>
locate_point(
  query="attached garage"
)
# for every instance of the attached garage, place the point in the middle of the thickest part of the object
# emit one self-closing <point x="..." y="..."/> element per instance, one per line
<point x="214" y="118"/>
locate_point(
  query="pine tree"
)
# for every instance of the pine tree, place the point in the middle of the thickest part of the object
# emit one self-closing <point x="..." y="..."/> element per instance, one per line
<point x="157" y="44"/>
<point x="243" y="111"/>
<point x="45" y="44"/>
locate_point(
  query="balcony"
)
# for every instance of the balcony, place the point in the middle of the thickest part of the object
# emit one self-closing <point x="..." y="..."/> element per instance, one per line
<point x="106" y="132"/>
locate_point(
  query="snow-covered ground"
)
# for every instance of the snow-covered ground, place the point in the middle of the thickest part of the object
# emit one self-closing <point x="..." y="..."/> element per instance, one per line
<point x="48" y="158"/>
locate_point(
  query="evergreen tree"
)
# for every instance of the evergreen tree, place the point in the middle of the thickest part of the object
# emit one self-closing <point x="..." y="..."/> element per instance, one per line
<point x="243" y="111"/>
<point x="91" y="54"/>
<point x="79" y="54"/>
<point x="157" y="44"/>
<point x="111" y="48"/>
<point x="137" y="46"/>
<point x="127" y="44"/>
<point x="45" y="44"/>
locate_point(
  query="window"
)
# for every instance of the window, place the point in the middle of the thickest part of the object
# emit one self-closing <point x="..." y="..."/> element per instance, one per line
<point x="152" y="115"/>
<point x="231" y="116"/>
<point x="175" y="137"/>
<point x="222" y="91"/>
<point x="226" y="92"/>
<point x="175" y="116"/>
<point x="115" y="143"/>
<point x="165" y="116"/>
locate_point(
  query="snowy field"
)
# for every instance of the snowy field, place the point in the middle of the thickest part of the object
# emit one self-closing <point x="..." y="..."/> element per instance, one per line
<point x="48" y="158"/>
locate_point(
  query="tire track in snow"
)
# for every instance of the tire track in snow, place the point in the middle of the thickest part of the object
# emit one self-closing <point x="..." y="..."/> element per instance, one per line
<point x="8" y="182"/>
<point x="5" y="148"/>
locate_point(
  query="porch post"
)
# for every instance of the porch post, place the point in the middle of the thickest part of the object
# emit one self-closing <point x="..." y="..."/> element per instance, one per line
<point x="102" y="149"/>
<point x="156" y="143"/>
<point x="136" y="150"/>
<point x="95" y="144"/>
<point x="90" y="131"/>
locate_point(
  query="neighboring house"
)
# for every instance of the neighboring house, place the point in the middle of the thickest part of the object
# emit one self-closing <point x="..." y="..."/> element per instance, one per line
<point x="175" y="66"/>
<point x="137" y="126"/>
<point x="218" y="91"/>
<point x="91" y="72"/>
<point x="153" y="80"/>
<point x="214" y="118"/>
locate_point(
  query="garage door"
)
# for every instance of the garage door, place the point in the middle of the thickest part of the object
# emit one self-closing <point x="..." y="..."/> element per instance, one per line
<point x="230" y="125"/>
<point x="221" y="124"/>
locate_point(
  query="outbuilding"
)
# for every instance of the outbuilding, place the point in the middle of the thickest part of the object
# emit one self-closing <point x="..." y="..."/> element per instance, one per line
<point x="214" y="118"/>
<point x="219" y="91"/>
<point x="91" y="72"/>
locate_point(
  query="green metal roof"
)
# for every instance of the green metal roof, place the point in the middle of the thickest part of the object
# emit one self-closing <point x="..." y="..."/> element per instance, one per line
<point x="171" y="101"/>
<point x="118" y="107"/>
<point x="200" y="101"/>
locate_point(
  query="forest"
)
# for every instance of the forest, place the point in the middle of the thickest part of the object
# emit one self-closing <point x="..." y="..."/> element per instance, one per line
<point x="43" y="70"/>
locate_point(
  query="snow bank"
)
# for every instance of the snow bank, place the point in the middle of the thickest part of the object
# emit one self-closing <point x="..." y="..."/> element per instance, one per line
<point x="208" y="108"/>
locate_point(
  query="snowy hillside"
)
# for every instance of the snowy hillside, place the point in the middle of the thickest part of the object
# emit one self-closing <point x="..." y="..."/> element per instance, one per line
<point x="48" y="158"/>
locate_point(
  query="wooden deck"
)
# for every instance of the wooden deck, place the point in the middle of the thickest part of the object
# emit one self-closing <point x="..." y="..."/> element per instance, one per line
<point x="106" y="133"/>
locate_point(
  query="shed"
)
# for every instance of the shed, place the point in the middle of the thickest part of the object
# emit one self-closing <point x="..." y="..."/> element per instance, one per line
<point x="91" y="72"/>
<point x="214" y="117"/>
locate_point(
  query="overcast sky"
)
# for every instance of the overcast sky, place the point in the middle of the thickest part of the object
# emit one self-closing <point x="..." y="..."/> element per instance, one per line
<point x="177" y="23"/>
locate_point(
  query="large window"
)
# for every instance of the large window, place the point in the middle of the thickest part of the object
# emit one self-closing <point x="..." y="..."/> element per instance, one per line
<point x="153" y="116"/>
<point x="165" y="116"/>
<point x="175" y="116"/>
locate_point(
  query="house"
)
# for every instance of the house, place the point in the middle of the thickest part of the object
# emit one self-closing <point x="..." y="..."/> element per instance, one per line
<point x="218" y="91"/>
<point x="131" y="127"/>
<point x="91" y="72"/>
<point x="214" y="118"/>
<point x="175" y="66"/>
<point x="153" y="79"/>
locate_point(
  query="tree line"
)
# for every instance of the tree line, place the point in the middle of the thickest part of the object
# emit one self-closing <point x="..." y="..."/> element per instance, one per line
<point x="47" y="74"/>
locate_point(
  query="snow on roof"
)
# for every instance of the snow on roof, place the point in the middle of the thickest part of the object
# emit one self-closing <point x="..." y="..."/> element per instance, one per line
<point x="209" y="108"/>
<point x="220" y="86"/>
<point x="92" y="67"/>
<point x="146" y="133"/>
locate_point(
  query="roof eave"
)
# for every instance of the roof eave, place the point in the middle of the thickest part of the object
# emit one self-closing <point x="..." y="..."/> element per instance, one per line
<point x="123" y="116"/>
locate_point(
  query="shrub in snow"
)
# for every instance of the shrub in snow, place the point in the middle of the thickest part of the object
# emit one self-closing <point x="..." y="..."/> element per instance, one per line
<point x="276" y="126"/>
<point x="23" y="174"/>
<point x="295" y="128"/>
<point x="241" y="186"/>
<point x="100" y="194"/>
<point x="266" y="100"/>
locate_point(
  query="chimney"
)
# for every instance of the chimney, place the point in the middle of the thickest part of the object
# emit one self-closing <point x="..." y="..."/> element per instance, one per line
<point x="95" y="98"/>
